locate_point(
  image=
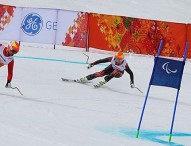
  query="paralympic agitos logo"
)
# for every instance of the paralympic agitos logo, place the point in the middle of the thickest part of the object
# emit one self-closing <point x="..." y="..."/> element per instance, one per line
<point x="32" y="24"/>
<point x="165" y="67"/>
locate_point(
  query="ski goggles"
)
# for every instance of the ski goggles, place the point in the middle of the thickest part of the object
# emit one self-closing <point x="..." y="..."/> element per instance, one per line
<point x="14" y="52"/>
<point x="117" y="60"/>
<point x="11" y="50"/>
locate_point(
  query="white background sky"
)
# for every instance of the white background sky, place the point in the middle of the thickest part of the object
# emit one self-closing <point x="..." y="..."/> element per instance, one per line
<point x="167" y="10"/>
<point x="55" y="113"/>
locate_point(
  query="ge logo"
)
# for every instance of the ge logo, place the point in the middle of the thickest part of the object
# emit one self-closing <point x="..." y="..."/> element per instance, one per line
<point x="32" y="24"/>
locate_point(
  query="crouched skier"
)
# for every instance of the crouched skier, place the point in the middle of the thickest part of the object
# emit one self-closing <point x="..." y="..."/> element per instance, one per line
<point x="114" y="70"/>
<point x="6" y="58"/>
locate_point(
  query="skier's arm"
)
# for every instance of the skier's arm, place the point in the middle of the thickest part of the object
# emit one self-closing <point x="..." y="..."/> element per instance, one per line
<point x="129" y="71"/>
<point x="108" y="59"/>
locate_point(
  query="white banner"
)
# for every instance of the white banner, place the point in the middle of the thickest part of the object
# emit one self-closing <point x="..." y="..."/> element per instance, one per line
<point x="10" y="23"/>
<point x="48" y="26"/>
<point x="66" y="21"/>
<point x="72" y="28"/>
<point x="39" y="25"/>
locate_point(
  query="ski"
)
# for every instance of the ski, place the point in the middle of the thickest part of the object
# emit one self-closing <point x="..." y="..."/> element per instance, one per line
<point x="96" y="86"/>
<point x="68" y="80"/>
<point x="74" y="81"/>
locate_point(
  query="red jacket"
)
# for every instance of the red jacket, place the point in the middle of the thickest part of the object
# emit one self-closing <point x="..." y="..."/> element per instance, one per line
<point x="10" y="64"/>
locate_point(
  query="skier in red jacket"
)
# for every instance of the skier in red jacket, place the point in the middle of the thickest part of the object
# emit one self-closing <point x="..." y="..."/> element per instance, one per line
<point x="6" y="58"/>
<point x="115" y="69"/>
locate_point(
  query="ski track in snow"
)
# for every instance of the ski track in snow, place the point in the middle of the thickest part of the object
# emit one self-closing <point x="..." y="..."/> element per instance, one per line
<point x="118" y="98"/>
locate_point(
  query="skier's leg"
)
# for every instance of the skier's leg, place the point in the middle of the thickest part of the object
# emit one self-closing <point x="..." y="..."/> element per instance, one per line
<point x="115" y="73"/>
<point x="102" y="73"/>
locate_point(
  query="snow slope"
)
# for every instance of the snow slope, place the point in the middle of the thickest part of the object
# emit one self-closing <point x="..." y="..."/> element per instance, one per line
<point x="56" y="113"/>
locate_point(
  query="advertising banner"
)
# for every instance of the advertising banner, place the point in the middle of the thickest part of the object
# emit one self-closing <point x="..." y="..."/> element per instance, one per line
<point x="141" y="36"/>
<point x="72" y="28"/>
<point x="38" y="25"/>
<point x="10" y="17"/>
<point x="189" y="40"/>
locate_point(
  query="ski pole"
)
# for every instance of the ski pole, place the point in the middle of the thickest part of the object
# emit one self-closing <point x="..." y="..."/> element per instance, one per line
<point x="17" y="89"/>
<point x="139" y="90"/>
<point x="87" y="57"/>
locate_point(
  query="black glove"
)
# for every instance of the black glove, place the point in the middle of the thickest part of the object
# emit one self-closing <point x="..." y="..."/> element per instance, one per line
<point x="132" y="84"/>
<point x="8" y="84"/>
<point x="90" y="65"/>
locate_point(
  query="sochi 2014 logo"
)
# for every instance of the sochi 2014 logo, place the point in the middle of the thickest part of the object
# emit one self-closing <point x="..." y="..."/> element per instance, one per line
<point x="32" y="24"/>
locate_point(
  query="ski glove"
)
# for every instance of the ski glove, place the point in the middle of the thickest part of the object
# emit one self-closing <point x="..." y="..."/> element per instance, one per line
<point x="90" y="65"/>
<point x="132" y="85"/>
<point x="8" y="84"/>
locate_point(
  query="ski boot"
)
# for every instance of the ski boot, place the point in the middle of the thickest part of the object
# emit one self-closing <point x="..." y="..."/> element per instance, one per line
<point x="101" y="83"/>
<point x="82" y="80"/>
